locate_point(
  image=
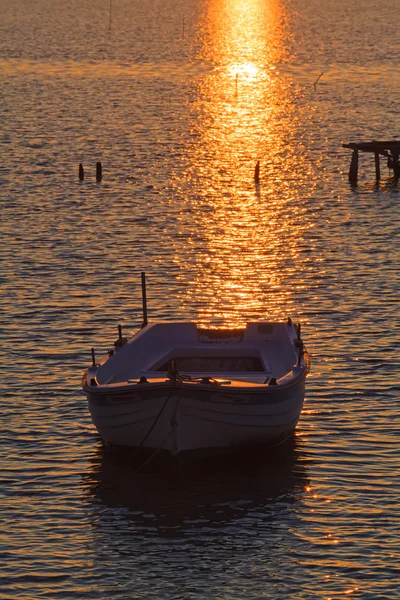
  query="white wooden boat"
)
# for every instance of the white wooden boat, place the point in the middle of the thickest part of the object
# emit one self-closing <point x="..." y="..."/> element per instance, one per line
<point x="176" y="387"/>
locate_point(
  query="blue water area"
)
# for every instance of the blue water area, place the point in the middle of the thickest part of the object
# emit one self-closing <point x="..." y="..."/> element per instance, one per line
<point x="178" y="101"/>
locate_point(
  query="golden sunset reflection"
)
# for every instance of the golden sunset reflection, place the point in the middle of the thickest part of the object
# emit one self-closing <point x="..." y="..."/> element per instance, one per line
<point x="247" y="234"/>
<point x="237" y="32"/>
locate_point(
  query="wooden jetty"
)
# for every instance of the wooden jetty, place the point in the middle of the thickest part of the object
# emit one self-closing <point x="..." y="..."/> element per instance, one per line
<point x="391" y="150"/>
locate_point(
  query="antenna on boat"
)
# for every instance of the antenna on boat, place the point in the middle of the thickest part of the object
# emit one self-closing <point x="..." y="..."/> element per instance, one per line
<point x="144" y="300"/>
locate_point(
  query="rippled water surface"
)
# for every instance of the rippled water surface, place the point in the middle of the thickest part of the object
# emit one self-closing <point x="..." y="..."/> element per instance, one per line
<point x="179" y="100"/>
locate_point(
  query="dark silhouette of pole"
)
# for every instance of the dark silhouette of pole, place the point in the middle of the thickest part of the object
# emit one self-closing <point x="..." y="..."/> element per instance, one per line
<point x="144" y="300"/>
<point x="377" y="167"/>
<point x="353" y="173"/>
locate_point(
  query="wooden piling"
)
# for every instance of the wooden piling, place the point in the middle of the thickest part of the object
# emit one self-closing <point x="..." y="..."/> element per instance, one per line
<point x="396" y="165"/>
<point x="99" y="171"/>
<point x="353" y="172"/>
<point x="257" y="173"/>
<point x="81" y="172"/>
<point x="377" y="167"/>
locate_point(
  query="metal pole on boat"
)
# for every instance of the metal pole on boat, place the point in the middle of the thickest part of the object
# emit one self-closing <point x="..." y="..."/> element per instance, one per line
<point x="299" y="344"/>
<point x="301" y="352"/>
<point x="121" y="341"/>
<point x="93" y="358"/>
<point x="144" y="300"/>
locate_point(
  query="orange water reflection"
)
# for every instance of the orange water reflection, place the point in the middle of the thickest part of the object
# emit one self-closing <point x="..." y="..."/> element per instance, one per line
<point x="246" y="32"/>
<point x="247" y="235"/>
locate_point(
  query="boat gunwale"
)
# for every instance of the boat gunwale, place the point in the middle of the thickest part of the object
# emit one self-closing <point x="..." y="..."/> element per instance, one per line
<point x="121" y="388"/>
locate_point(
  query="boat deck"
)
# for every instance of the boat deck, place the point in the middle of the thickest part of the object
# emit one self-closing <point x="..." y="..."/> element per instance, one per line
<point x="253" y="355"/>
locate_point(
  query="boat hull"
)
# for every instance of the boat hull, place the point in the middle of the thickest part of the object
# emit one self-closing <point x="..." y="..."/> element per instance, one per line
<point x="182" y="417"/>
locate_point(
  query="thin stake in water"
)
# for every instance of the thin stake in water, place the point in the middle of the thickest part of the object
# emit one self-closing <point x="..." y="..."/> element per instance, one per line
<point x="316" y="81"/>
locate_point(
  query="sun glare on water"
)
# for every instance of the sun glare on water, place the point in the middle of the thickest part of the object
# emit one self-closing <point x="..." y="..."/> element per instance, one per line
<point x="243" y="113"/>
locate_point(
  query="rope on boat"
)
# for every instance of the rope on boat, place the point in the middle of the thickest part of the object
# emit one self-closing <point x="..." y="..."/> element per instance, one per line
<point x="157" y="450"/>
<point x="148" y="460"/>
<point x="156" y="419"/>
<point x="170" y="395"/>
<point x="174" y="375"/>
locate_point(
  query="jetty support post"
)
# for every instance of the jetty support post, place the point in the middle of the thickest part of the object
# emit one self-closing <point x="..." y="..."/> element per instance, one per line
<point x="257" y="173"/>
<point x="144" y="300"/>
<point x="377" y="167"/>
<point x="353" y="172"/>
<point x="81" y="172"/>
<point x="99" y="171"/>
<point x="396" y="165"/>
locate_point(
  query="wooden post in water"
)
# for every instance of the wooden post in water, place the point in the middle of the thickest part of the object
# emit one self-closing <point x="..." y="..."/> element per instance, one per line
<point x="81" y="172"/>
<point x="144" y="300"/>
<point x="396" y="165"/>
<point x="377" y="167"/>
<point x="99" y="171"/>
<point x="353" y="173"/>
<point x="257" y="173"/>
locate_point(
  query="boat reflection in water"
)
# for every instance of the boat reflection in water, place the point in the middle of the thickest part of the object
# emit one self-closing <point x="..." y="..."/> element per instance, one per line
<point x="206" y="493"/>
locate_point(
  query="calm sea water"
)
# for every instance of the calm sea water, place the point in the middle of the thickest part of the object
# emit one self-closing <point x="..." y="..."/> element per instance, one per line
<point x="178" y="100"/>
